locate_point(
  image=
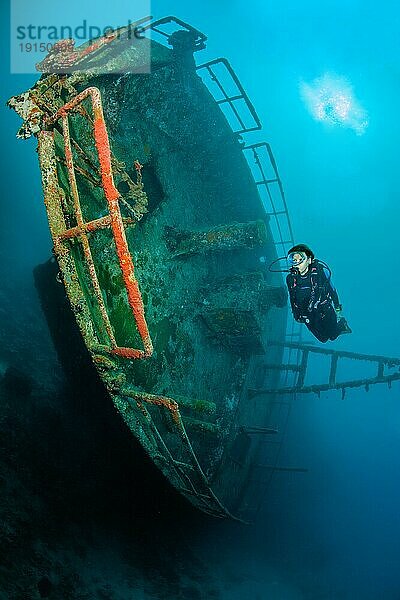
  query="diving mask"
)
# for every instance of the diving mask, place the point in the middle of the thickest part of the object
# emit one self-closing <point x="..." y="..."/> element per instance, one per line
<point x="295" y="259"/>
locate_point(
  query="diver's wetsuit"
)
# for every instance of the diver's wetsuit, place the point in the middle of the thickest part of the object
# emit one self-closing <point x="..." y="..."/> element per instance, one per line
<point x="313" y="297"/>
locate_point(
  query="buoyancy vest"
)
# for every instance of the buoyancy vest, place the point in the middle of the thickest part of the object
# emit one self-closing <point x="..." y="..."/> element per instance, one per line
<point x="316" y="281"/>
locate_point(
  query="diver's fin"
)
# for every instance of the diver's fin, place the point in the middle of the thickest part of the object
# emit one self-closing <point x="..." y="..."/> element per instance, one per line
<point x="344" y="326"/>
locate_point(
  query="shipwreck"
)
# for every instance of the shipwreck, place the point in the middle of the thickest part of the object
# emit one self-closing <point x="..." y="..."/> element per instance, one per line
<point x="164" y="215"/>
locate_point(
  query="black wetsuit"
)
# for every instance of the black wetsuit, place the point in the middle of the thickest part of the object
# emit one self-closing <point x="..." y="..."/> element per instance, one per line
<point x="313" y="300"/>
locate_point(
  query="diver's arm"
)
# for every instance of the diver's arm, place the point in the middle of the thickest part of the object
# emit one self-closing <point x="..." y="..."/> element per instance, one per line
<point x="332" y="290"/>
<point x="294" y="307"/>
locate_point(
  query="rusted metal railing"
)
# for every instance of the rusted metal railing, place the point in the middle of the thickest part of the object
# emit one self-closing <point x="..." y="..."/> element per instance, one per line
<point x="114" y="220"/>
<point x="232" y="99"/>
<point x="300" y="369"/>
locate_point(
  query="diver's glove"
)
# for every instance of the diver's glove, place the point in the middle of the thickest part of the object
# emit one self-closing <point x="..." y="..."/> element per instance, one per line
<point x="302" y="319"/>
<point x="338" y="311"/>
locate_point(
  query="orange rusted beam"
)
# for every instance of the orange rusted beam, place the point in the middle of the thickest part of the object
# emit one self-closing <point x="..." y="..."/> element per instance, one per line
<point x="94" y="225"/>
<point x="127" y="352"/>
<point x="169" y="403"/>
<point x="91" y="226"/>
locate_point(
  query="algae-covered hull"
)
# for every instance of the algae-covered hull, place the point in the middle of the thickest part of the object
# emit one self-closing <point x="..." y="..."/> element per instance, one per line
<point x="162" y="238"/>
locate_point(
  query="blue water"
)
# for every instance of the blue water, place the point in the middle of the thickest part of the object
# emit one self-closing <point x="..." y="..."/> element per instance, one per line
<point x="333" y="532"/>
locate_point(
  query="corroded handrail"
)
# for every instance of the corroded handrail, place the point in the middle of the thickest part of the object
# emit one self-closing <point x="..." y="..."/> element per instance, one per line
<point x="116" y="222"/>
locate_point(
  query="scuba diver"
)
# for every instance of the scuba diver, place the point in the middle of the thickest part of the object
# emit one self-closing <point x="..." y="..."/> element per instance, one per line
<point x="313" y="298"/>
